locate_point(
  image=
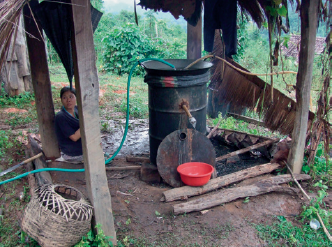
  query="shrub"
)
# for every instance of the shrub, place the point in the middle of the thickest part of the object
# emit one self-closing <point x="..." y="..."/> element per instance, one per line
<point x="123" y="46"/>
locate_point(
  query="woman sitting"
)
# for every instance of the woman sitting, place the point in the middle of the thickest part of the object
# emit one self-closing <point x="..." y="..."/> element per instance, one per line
<point x="67" y="128"/>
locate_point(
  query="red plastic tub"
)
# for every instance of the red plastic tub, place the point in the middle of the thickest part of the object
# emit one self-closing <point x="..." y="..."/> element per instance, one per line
<point x="195" y="173"/>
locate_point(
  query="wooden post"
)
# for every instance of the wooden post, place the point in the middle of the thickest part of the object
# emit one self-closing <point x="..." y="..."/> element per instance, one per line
<point x="87" y="86"/>
<point x="41" y="85"/>
<point x="194" y="40"/>
<point x="309" y="15"/>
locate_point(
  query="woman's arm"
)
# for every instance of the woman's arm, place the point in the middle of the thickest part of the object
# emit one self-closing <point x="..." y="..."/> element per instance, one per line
<point x="76" y="136"/>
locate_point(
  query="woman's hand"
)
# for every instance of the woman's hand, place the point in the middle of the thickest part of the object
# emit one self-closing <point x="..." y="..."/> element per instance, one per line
<point x="75" y="136"/>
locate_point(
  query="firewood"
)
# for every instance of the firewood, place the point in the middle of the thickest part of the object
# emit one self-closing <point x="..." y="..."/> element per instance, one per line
<point x="228" y="195"/>
<point x="216" y="183"/>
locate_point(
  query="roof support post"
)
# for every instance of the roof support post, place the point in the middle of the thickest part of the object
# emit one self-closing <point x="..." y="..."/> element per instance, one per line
<point x="87" y="86"/>
<point x="41" y="84"/>
<point x="309" y="15"/>
<point x="194" y="40"/>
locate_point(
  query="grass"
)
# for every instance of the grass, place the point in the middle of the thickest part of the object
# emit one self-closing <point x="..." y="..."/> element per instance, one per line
<point x="239" y="125"/>
<point x="284" y="233"/>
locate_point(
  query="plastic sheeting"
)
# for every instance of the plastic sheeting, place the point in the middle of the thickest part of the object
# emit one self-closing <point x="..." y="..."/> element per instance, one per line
<point x="55" y="19"/>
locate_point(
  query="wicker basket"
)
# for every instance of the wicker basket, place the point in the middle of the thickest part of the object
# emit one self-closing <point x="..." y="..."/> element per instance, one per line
<point x="58" y="215"/>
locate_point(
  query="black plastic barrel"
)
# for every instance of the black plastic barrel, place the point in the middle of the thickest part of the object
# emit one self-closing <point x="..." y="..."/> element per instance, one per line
<point x="169" y="89"/>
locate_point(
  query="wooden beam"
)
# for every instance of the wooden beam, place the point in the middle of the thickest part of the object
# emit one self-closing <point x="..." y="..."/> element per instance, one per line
<point x="87" y="86"/>
<point x="309" y="18"/>
<point x="194" y="40"/>
<point x="41" y="84"/>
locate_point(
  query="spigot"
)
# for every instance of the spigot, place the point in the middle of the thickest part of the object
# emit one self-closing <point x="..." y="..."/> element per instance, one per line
<point x="192" y="120"/>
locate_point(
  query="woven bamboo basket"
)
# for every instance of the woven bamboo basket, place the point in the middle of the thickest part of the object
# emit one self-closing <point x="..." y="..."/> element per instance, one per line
<point x="57" y="215"/>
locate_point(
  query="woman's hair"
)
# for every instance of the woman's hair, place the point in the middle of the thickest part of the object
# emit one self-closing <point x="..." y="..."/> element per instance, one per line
<point x="66" y="89"/>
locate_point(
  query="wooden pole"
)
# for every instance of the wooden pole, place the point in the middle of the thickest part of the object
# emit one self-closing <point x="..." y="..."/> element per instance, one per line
<point x="194" y="40"/>
<point x="309" y="15"/>
<point x="41" y="84"/>
<point x="87" y="86"/>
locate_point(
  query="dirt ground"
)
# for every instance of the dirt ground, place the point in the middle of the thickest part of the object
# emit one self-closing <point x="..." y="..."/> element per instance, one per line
<point x="140" y="214"/>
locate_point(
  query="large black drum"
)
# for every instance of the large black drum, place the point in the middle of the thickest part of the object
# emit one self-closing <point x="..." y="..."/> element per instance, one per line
<point x="169" y="90"/>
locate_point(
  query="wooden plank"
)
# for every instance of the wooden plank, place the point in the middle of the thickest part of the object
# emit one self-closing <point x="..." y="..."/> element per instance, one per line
<point x="184" y="192"/>
<point x="41" y="85"/>
<point x="261" y="187"/>
<point x="137" y="159"/>
<point x="194" y="40"/>
<point x="87" y="86"/>
<point x="123" y="168"/>
<point x="309" y="15"/>
<point x="244" y="150"/>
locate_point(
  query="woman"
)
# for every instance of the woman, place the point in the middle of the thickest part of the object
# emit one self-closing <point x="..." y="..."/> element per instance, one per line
<point x="67" y="127"/>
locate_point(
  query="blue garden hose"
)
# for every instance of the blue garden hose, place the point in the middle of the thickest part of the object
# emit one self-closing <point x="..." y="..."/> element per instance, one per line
<point x="124" y="134"/>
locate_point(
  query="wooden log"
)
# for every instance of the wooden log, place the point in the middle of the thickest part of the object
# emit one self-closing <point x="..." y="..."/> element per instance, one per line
<point x="309" y="20"/>
<point x="228" y="195"/>
<point x="244" y="150"/>
<point x="41" y="85"/>
<point x="216" y="183"/>
<point x="123" y="168"/>
<point x="194" y="40"/>
<point x="137" y="159"/>
<point x="87" y="86"/>
<point x="40" y="163"/>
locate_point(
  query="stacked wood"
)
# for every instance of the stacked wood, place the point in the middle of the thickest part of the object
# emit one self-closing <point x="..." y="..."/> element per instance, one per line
<point x="261" y="187"/>
<point x="184" y="192"/>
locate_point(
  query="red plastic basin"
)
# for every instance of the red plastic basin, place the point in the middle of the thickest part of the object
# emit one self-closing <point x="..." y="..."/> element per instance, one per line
<point x="195" y="173"/>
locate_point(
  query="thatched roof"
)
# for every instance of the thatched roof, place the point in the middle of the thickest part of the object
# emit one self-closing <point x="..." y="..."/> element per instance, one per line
<point x="294" y="42"/>
<point x="190" y="9"/>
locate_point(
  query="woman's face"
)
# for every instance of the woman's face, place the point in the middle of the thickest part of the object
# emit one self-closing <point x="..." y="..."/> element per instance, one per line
<point x="68" y="100"/>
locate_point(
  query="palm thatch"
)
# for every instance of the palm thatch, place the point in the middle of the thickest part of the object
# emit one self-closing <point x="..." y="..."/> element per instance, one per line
<point x="10" y="12"/>
<point x="252" y="92"/>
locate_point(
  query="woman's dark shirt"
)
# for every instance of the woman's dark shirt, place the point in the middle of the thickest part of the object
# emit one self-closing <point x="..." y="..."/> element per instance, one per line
<point x="65" y="126"/>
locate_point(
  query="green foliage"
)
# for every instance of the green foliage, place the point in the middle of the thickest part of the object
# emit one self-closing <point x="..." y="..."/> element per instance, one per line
<point x="137" y="108"/>
<point x="99" y="240"/>
<point x="6" y="142"/>
<point x="18" y="100"/>
<point x="124" y="42"/>
<point x="18" y="120"/>
<point x="124" y="46"/>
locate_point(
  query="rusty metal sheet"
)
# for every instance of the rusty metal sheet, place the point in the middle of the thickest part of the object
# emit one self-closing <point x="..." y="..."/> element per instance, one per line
<point x="181" y="146"/>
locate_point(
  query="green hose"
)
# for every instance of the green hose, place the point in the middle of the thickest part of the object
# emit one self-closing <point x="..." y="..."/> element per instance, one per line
<point x="124" y="134"/>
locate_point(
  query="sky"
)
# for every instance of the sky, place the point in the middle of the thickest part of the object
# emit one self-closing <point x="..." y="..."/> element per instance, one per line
<point x="115" y="6"/>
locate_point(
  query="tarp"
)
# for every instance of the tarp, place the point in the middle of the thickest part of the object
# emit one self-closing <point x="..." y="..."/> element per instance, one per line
<point x="55" y="19"/>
